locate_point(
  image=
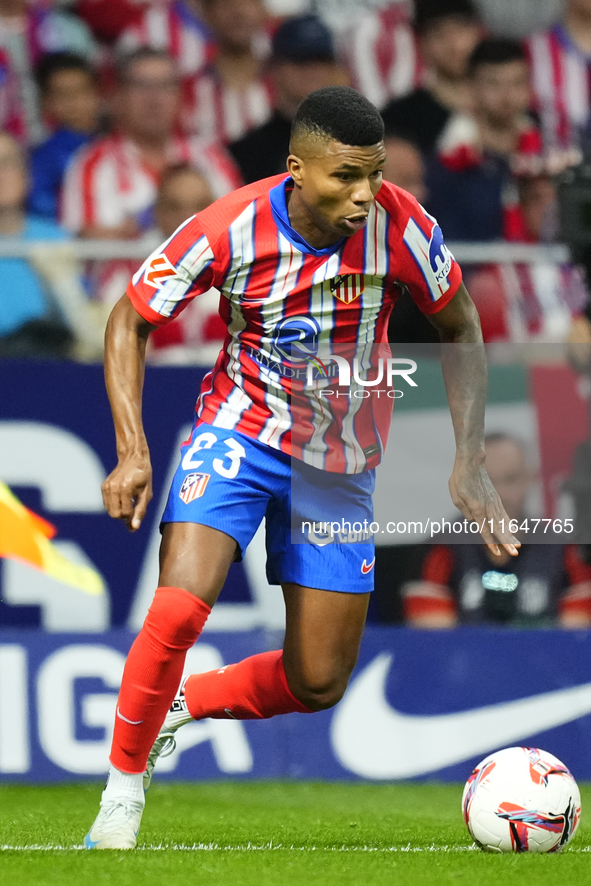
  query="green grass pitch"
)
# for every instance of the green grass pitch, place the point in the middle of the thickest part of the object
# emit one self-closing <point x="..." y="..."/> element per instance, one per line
<point x="270" y="834"/>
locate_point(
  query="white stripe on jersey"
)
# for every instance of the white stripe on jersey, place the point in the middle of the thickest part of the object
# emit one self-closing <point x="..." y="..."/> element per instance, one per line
<point x="322" y="305"/>
<point x="354" y="455"/>
<point x="276" y="398"/>
<point x="230" y="412"/>
<point x="242" y="252"/>
<point x="139" y="273"/>
<point x="376" y="242"/>
<point x="327" y="271"/>
<point x="175" y="289"/>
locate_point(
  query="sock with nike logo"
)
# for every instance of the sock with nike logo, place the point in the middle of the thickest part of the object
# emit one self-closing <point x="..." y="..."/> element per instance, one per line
<point x="152" y="674"/>
<point x="253" y="689"/>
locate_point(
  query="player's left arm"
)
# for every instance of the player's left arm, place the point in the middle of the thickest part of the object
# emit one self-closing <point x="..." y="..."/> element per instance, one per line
<point x="465" y="374"/>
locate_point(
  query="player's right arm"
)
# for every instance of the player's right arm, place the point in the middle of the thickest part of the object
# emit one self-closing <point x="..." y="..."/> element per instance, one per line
<point x="178" y="271"/>
<point x="128" y="489"/>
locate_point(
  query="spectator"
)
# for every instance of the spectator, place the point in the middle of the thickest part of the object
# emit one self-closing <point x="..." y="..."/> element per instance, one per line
<point x="404" y="166"/>
<point x="381" y="54"/>
<point x="470" y="181"/>
<point x="528" y="303"/>
<point x="177" y="28"/>
<point x="560" y="76"/>
<point x="198" y="334"/>
<point x="232" y="94"/>
<point x="28" y="31"/>
<point x="110" y="187"/>
<point x="448" y="32"/>
<point x="42" y="305"/>
<point x="303" y="59"/>
<point x="70" y="104"/>
<point x="466" y="584"/>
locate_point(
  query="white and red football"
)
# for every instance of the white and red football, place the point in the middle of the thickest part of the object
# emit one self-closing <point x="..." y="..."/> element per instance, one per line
<point x="521" y="800"/>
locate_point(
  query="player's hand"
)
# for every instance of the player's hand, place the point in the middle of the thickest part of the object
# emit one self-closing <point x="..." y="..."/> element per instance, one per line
<point x="474" y="495"/>
<point x="127" y="491"/>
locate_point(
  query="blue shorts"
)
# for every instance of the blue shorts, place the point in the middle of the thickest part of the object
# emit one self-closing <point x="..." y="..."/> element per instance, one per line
<point x="230" y="482"/>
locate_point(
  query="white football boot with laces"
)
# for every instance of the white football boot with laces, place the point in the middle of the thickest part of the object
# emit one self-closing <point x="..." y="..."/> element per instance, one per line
<point x="177" y="716"/>
<point x="116" y="826"/>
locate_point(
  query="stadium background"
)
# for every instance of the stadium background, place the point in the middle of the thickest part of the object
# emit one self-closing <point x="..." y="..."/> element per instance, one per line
<point x="56" y="446"/>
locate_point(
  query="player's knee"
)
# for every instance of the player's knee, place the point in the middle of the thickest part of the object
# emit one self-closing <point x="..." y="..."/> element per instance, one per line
<point x="319" y="694"/>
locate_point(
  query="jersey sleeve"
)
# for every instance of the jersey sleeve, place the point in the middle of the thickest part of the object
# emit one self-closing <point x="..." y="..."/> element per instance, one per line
<point x="425" y="265"/>
<point x="177" y="271"/>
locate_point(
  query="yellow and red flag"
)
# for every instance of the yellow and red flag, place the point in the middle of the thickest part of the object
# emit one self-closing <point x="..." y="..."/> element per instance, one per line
<point x="26" y="537"/>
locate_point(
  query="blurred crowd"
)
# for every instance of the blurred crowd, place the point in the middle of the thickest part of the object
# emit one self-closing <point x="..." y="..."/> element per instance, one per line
<point x="120" y="118"/>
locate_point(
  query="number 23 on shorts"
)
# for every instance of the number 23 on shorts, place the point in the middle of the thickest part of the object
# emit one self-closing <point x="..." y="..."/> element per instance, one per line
<point x="234" y="454"/>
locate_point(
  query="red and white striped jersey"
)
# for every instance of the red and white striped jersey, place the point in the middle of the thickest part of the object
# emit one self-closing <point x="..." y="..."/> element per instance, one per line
<point x="276" y="290"/>
<point x="561" y="81"/>
<point x="216" y="111"/>
<point x="527" y="303"/>
<point x="108" y="181"/>
<point x="175" y="28"/>
<point x="382" y="56"/>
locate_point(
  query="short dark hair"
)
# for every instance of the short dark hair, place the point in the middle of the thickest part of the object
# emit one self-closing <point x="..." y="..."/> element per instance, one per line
<point x="53" y="62"/>
<point x="127" y="60"/>
<point x="429" y="12"/>
<point x="496" y="51"/>
<point x="341" y="113"/>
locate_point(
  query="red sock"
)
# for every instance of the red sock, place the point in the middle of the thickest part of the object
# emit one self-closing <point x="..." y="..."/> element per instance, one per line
<point x="152" y="674"/>
<point x="253" y="689"/>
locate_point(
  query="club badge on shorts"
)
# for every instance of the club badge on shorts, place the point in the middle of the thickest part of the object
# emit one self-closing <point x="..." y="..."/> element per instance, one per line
<point x="193" y="487"/>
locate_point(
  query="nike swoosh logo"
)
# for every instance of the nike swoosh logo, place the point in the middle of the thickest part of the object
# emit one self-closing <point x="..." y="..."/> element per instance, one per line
<point x="374" y="740"/>
<point x="132" y="722"/>
<point x="365" y="568"/>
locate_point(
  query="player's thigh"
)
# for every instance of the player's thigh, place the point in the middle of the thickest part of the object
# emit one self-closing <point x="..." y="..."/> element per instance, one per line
<point x="196" y="558"/>
<point x="217" y="499"/>
<point x="323" y="633"/>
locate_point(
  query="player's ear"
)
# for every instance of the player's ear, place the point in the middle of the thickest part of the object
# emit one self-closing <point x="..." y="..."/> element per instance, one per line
<point x="295" y="167"/>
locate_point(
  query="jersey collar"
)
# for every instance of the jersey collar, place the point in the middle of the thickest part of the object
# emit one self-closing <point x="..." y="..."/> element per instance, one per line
<point x="278" y="200"/>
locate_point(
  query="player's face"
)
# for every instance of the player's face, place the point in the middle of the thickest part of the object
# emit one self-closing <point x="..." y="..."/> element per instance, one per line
<point x="337" y="185"/>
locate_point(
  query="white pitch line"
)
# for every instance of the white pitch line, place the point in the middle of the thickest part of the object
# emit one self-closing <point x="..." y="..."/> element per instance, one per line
<point x="248" y="847"/>
<point x="268" y="847"/>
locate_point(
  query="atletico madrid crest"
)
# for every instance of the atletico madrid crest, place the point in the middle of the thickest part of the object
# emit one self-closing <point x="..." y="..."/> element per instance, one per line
<point x="193" y="487"/>
<point x="347" y="287"/>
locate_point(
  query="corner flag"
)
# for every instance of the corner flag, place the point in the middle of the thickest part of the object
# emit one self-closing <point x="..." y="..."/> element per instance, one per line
<point x="26" y="537"/>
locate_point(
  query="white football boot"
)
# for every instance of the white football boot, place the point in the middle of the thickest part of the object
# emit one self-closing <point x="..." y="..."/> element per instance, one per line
<point x="116" y="826"/>
<point x="177" y="716"/>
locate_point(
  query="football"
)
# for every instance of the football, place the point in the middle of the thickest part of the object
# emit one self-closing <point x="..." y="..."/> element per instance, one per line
<point x="521" y="800"/>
